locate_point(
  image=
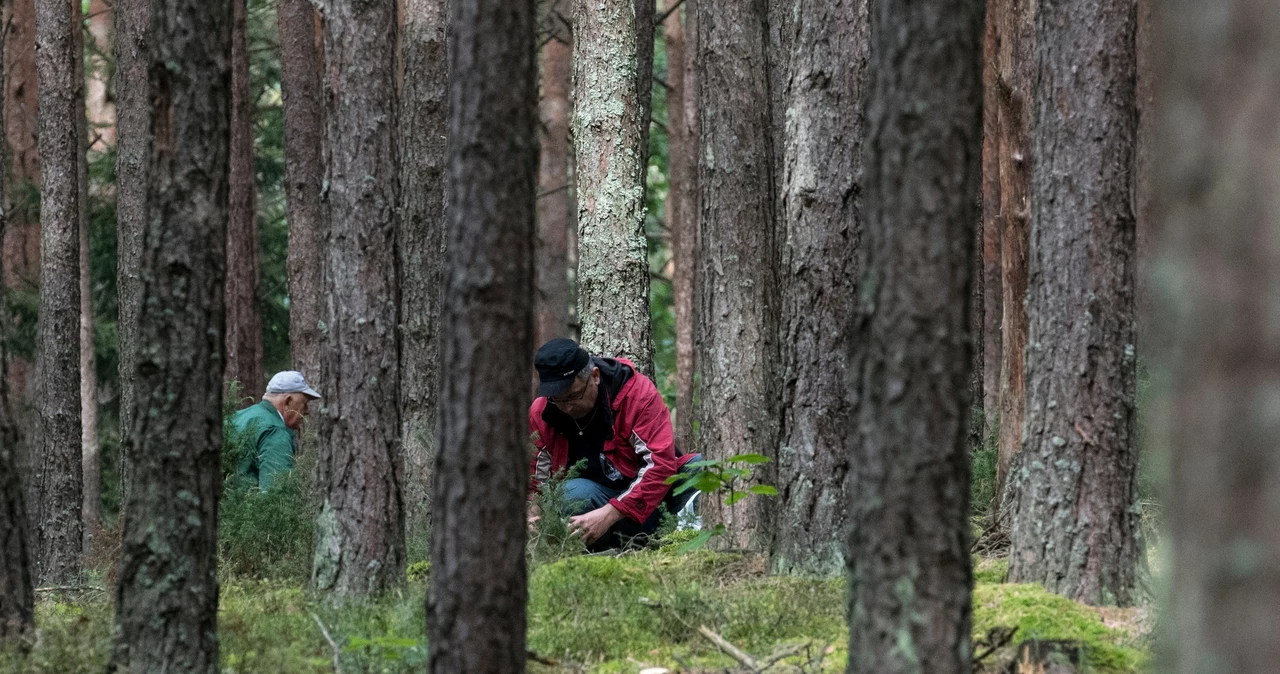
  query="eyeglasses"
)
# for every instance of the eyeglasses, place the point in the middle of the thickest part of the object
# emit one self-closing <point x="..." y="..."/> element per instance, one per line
<point x="560" y="400"/>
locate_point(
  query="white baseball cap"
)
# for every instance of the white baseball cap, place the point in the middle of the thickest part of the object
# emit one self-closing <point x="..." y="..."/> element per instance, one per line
<point x="291" y="381"/>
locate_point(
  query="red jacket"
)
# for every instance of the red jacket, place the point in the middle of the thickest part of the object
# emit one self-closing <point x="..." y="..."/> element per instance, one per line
<point x="642" y="447"/>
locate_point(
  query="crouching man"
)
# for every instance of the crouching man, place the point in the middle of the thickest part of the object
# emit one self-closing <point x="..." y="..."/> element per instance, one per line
<point x="603" y="414"/>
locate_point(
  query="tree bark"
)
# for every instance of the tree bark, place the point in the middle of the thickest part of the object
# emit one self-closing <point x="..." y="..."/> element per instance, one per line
<point x="17" y="598"/>
<point x="91" y="459"/>
<point x="22" y="235"/>
<point x="610" y="123"/>
<point x="56" y="516"/>
<point x="992" y="218"/>
<point x="359" y="546"/>
<point x="99" y="100"/>
<point x="682" y="202"/>
<point x="304" y="175"/>
<point x="1216" y="277"/>
<point x="1015" y="76"/>
<point x="1147" y="220"/>
<point x="645" y="30"/>
<point x="908" y="558"/>
<point x="133" y="170"/>
<point x="244" y="320"/>
<point x="167" y="597"/>
<point x="476" y="603"/>
<point x="738" y="273"/>
<point x="823" y="97"/>
<point x="1073" y="526"/>
<point x="423" y="106"/>
<point x="555" y="198"/>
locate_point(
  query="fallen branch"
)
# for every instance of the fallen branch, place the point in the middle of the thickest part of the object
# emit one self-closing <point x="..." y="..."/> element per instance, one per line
<point x="70" y="588"/>
<point x="540" y="659"/>
<point x="337" y="667"/>
<point x="729" y="649"/>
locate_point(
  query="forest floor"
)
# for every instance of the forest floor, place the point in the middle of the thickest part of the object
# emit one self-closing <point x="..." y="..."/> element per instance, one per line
<point x="629" y="613"/>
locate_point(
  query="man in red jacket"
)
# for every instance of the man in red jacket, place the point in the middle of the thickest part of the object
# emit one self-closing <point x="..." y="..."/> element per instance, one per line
<point x="603" y="414"/>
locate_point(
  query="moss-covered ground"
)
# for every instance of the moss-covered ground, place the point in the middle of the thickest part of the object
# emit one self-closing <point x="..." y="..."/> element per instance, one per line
<point x="586" y="614"/>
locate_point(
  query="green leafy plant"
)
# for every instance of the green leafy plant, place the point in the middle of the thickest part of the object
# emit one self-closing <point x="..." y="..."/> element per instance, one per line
<point x="710" y="476"/>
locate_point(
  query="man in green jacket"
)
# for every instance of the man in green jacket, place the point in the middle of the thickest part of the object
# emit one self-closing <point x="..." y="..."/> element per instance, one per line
<point x="270" y="428"/>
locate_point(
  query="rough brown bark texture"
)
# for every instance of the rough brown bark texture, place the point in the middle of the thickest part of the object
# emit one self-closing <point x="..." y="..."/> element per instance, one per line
<point x="359" y="547"/>
<point x="680" y="36"/>
<point x="90" y="449"/>
<point x="133" y="170"/>
<point x="244" y="320"/>
<point x="738" y="287"/>
<point x="476" y="602"/>
<point x="822" y="99"/>
<point x="17" y="600"/>
<point x="22" y="235"/>
<point x="645" y="30"/>
<point x="1015" y="79"/>
<point x="1216" y="279"/>
<point x="610" y="123"/>
<point x="167" y="597"/>
<point x="304" y="175"/>
<point x="993" y="297"/>
<point x="56" y="510"/>
<point x="423" y="100"/>
<point x="555" y="198"/>
<point x="1147" y="222"/>
<point x="1073" y="521"/>
<point x="908" y="558"/>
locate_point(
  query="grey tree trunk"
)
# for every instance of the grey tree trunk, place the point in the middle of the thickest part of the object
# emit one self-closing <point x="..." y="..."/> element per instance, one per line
<point x="1015" y="77"/>
<point x="738" y="267"/>
<point x="610" y="122"/>
<point x="90" y="449"/>
<point x="133" y="171"/>
<point x="822" y="99"/>
<point x="359" y="548"/>
<point x="476" y="602"/>
<point x="682" y="202"/>
<point x="1073" y="525"/>
<point x="167" y="598"/>
<point x="22" y="236"/>
<point x="992" y="295"/>
<point x="17" y="599"/>
<point x="908" y="558"/>
<point x="423" y="107"/>
<point x="244" y="320"/>
<point x="1217" y="276"/>
<point x="555" y="196"/>
<point x="56" y="511"/>
<point x="304" y="175"/>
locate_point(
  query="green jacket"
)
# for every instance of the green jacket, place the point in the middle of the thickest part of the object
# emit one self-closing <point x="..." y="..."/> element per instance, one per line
<point x="271" y="443"/>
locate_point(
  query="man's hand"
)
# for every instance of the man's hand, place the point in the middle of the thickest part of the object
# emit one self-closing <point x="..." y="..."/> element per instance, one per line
<point x="594" y="524"/>
<point x="534" y="515"/>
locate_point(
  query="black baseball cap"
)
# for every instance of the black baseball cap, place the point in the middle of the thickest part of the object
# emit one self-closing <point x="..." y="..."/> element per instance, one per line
<point x="557" y="362"/>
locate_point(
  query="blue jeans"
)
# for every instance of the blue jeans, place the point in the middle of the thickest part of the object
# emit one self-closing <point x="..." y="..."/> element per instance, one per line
<point x="582" y="496"/>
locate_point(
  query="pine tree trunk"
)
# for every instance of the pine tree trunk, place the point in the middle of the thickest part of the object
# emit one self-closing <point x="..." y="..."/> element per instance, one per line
<point x="91" y="459"/>
<point x="1217" y="279"/>
<point x="244" y="321"/>
<point x="1073" y="527"/>
<point x="304" y="175"/>
<point x="1147" y="222"/>
<point x="17" y="599"/>
<point x="133" y="171"/>
<point x="993" y="297"/>
<point x="819" y="185"/>
<point x="170" y="527"/>
<point x="738" y="267"/>
<point x="98" y="96"/>
<point x="56" y="516"/>
<point x="555" y="198"/>
<point x="476" y="602"/>
<point x="359" y="548"/>
<point x="1015" y="63"/>
<point x="423" y="100"/>
<point x="682" y="203"/>
<point x="645" y="29"/>
<point x="22" y="235"/>
<point x="610" y="122"/>
<point x="908" y="560"/>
